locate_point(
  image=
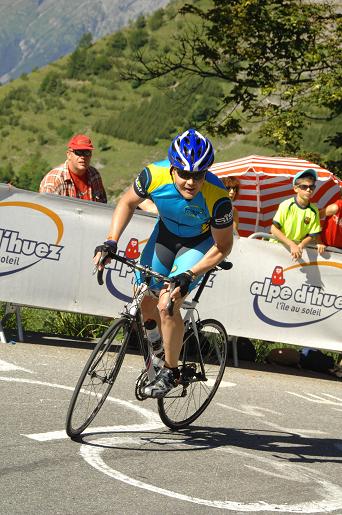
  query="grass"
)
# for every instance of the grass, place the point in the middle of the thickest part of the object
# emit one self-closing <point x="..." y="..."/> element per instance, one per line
<point x="92" y="327"/>
<point x="57" y="322"/>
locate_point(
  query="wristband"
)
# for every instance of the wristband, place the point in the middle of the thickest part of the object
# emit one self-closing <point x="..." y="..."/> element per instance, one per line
<point x="191" y="274"/>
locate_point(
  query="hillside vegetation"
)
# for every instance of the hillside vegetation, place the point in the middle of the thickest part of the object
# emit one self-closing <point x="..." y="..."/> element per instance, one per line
<point x="35" y="32"/>
<point x="130" y="123"/>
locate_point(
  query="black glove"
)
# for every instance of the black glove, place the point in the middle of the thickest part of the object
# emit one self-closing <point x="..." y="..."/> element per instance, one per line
<point x="183" y="281"/>
<point x="109" y="247"/>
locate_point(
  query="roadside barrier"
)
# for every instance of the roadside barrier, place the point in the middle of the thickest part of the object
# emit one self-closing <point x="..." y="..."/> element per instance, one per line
<point x="47" y="242"/>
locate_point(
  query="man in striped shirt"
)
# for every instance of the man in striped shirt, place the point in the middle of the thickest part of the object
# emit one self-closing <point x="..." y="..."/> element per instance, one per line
<point x="76" y="178"/>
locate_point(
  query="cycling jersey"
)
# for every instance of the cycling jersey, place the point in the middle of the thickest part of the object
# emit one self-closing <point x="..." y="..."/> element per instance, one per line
<point x="171" y="255"/>
<point x="211" y="207"/>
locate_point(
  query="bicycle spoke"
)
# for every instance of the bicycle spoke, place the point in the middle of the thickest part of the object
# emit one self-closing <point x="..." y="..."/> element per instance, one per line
<point x="177" y="411"/>
<point x="97" y="377"/>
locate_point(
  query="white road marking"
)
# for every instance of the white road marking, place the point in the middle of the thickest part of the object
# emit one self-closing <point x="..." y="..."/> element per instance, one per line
<point x="247" y="409"/>
<point x="60" y="435"/>
<point x="223" y="384"/>
<point x="257" y="411"/>
<point x="10" y="367"/>
<point x="154" y="421"/>
<point x="332" y="396"/>
<point x="311" y="397"/>
<point x="331" y="494"/>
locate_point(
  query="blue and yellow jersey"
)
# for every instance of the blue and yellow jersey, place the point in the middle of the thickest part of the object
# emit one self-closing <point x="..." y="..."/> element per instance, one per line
<point x="211" y="207"/>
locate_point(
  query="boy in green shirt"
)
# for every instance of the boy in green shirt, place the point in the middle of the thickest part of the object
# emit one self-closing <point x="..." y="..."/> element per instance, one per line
<point x="296" y="222"/>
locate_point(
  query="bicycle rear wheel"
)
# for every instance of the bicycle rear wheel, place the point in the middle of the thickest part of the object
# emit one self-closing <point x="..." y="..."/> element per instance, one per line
<point x="98" y="377"/>
<point x="203" y="364"/>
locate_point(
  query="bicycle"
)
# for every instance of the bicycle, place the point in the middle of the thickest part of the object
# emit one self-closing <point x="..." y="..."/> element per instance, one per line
<point x="202" y="361"/>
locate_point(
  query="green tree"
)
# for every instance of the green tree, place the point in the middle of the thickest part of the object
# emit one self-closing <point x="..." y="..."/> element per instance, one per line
<point x="137" y="39"/>
<point x="7" y="173"/>
<point x="280" y="61"/>
<point x="31" y="173"/>
<point x="77" y="62"/>
<point x="86" y="40"/>
<point x="52" y="84"/>
<point x="118" y="42"/>
<point x="140" y="22"/>
<point x="155" y="21"/>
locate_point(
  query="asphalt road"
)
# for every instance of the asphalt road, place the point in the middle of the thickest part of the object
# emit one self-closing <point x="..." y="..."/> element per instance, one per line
<point x="268" y="443"/>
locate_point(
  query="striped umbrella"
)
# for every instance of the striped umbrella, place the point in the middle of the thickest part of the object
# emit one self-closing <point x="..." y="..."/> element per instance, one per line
<point x="267" y="181"/>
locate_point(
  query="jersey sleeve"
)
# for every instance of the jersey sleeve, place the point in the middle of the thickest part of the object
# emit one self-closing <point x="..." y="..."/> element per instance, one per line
<point x="278" y="219"/>
<point x="222" y="215"/>
<point x="316" y="225"/>
<point x="142" y="183"/>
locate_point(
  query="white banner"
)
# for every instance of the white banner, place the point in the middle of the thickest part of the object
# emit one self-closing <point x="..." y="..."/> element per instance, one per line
<point x="46" y="248"/>
<point x="268" y="296"/>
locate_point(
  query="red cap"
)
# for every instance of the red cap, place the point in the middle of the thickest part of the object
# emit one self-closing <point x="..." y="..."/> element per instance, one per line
<point x="80" y="142"/>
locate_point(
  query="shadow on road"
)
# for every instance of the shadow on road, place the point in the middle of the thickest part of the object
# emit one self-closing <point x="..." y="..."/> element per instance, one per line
<point x="289" y="447"/>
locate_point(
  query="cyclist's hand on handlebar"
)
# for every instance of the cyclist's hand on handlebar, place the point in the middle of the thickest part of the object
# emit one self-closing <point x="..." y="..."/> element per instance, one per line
<point x="182" y="281"/>
<point x="103" y="253"/>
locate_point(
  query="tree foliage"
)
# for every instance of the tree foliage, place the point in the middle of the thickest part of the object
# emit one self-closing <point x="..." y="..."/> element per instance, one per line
<point x="31" y="173"/>
<point x="280" y="61"/>
<point x="77" y="65"/>
<point x="118" y="42"/>
<point x="163" y="114"/>
<point x="156" y="19"/>
<point x="52" y="84"/>
<point x="138" y="38"/>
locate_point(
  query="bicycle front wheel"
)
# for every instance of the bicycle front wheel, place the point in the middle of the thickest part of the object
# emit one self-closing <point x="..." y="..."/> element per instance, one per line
<point x="98" y="377"/>
<point x="203" y="364"/>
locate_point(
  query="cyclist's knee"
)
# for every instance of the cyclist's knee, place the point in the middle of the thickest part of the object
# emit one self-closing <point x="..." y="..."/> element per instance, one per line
<point x="149" y="307"/>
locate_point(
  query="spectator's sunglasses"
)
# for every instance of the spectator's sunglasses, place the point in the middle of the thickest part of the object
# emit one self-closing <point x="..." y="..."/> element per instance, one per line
<point x="186" y="176"/>
<point x="234" y="188"/>
<point x="84" y="153"/>
<point x="304" y="187"/>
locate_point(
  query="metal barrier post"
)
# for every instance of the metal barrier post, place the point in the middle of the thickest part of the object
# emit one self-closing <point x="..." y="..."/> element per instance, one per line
<point x="233" y="340"/>
<point x="235" y="351"/>
<point x="19" y="324"/>
<point x="2" y="334"/>
<point x="12" y="308"/>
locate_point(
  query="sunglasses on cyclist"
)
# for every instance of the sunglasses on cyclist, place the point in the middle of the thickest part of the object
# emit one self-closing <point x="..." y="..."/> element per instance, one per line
<point x="83" y="153"/>
<point x="304" y="187"/>
<point x="186" y="176"/>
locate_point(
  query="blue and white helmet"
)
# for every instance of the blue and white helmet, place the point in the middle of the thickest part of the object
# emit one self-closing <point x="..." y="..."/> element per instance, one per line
<point x="191" y="152"/>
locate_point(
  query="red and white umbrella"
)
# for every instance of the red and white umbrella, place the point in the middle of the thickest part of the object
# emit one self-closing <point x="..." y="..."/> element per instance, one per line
<point x="267" y="181"/>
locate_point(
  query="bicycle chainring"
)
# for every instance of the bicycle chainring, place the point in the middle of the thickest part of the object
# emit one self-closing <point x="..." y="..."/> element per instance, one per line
<point x="141" y="381"/>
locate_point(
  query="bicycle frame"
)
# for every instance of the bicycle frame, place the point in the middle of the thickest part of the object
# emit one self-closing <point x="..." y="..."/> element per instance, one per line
<point x="202" y="359"/>
<point x="133" y="312"/>
<point x="133" y="309"/>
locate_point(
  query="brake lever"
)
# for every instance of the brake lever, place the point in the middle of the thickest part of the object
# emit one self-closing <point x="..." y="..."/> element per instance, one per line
<point x="171" y="302"/>
<point x="101" y="261"/>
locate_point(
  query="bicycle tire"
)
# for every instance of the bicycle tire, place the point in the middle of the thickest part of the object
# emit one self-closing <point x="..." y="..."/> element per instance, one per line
<point x="187" y="401"/>
<point x="98" y="377"/>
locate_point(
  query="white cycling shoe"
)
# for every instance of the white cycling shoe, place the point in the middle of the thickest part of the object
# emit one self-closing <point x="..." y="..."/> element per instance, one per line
<point x="161" y="385"/>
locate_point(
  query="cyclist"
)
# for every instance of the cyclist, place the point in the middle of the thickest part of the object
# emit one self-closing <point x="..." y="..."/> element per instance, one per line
<point x="194" y="233"/>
